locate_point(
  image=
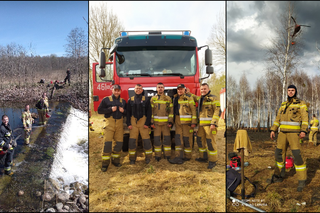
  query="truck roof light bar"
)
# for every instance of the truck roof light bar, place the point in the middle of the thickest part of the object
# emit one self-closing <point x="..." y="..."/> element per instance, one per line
<point x="183" y="32"/>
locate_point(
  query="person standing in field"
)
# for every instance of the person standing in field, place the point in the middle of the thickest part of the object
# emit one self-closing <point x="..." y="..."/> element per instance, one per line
<point x="43" y="108"/>
<point x="67" y="77"/>
<point x="27" y="121"/>
<point x="314" y="130"/>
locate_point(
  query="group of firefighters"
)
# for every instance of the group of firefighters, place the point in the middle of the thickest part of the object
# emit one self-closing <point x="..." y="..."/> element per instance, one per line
<point x="8" y="143"/>
<point x="160" y="112"/>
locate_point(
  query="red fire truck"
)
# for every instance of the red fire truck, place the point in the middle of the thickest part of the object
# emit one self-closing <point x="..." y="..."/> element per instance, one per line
<point x="147" y="58"/>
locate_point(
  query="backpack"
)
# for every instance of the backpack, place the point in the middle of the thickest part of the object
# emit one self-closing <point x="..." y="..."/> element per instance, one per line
<point x="234" y="180"/>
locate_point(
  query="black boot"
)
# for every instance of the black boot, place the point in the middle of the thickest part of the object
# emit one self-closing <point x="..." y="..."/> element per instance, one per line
<point x="158" y="158"/>
<point x="147" y="160"/>
<point x="186" y="159"/>
<point x="301" y="185"/>
<point x="105" y="166"/>
<point x="116" y="164"/>
<point x="204" y="159"/>
<point x="168" y="157"/>
<point x="274" y="179"/>
<point x="132" y="162"/>
<point x="211" y="164"/>
<point x="177" y="160"/>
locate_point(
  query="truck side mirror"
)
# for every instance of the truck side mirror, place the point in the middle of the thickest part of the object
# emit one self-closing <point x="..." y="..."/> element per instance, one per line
<point x="102" y="61"/>
<point x="208" y="57"/>
<point x="102" y="73"/>
<point x="209" y="70"/>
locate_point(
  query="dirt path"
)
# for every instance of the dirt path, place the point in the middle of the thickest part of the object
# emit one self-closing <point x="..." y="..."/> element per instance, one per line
<point x="159" y="186"/>
<point x="278" y="197"/>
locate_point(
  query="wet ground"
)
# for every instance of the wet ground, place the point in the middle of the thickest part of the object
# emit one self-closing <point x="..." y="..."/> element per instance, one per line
<point x="33" y="164"/>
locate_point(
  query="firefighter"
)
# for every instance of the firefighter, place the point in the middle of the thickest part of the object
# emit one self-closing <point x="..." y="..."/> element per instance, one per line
<point x="139" y="121"/>
<point x="67" y="77"/>
<point x="208" y="113"/>
<point x="314" y="130"/>
<point x="185" y="120"/>
<point x="161" y="122"/>
<point x="6" y="144"/>
<point x="27" y="121"/>
<point x="114" y="109"/>
<point x="292" y="120"/>
<point x="195" y="98"/>
<point x="42" y="107"/>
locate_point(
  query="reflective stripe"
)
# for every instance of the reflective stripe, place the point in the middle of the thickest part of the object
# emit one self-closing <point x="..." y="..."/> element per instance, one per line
<point x="160" y="102"/>
<point x="205" y="119"/>
<point x="314" y="128"/>
<point x="105" y="157"/>
<point x="191" y="131"/>
<point x="171" y="116"/>
<point x="290" y="123"/>
<point x="205" y="122"/>
<point x="152" y="105"/>
<point x="1" y="144"/>
<point x="188" y="150"/>
<point x="157" y="149"/>
<point x="214" y="132"/>
<point x="305" y="123"/>
<point x="289" y="127"/>
<point x="301" y="167"/>
<point x="11" y="148"/>
<point x="217" y="103"/>
<point x="7" y="168"/>
<point x="167" y="148"/>
<point x="148" y="152"/>
<point x="276" y="123"/>
<point x="303" y="106"/>
<point x="171" y="105"/>
<point x="178" y="148"/>
<point x="202" y="150"/>
<point x="191" y="102"/>
<point x="194" y="117"/>
<point x="115" y="155"/>
<point x="212" y="152"/>
<point x="182" y="102"/>
<point x="207" y="103"/>
<point x="185" y="116"/>
<point x="132" y="153"/>
<point x="280" y="165"/>
<point x="216" y="117"/>
<point x="161" y="118"/>
<point x="151" y="116"/>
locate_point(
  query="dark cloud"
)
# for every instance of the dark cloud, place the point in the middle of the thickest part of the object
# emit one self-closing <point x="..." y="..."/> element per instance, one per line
<point x="268" y="13"/>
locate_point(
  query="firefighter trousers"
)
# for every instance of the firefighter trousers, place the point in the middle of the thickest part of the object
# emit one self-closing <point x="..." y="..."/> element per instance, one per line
<point x="182" y="138"/>
<point x="138" y="128"/>
<point x="206" y="140"/>
<point x="165" y="131"/>
<point x="313" y="137"/>
<point x="42" y="117"/>
<point x="27" y="133"/>
<point x="113" y="137"/>
<point x="293" y="140"/>
<point x="8" y="160"/>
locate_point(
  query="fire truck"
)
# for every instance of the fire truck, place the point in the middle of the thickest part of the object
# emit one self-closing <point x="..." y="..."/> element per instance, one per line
<point x="147" y="58"/>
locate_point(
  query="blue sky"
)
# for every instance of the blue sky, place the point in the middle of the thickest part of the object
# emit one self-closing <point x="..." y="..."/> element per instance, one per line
<point x="43" y="24"/>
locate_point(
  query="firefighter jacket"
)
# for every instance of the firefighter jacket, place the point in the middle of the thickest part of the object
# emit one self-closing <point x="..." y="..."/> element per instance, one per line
<point x="42" y="104"/>
<point x="292" y="117"/>
<point x="208" y="110"/>
<point x="184" y="107"/>
<point x="162" y="109"/>
<point x="5" y="137"/>
<point x="27" y="119"/>
<point x="314" y="124"/>
<point x="139" y="106"/>
<point x="195" y="98"/>
<point x="108" y="102"/>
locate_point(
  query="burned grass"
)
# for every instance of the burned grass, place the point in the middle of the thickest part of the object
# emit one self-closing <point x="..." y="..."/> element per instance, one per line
<point x="277" y="197"/>
<point x="158" y="186"/>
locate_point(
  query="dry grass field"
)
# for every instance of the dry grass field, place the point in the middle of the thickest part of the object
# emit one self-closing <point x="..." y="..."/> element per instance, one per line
<point x="278" y="197"/>
<point x="156" y="187"/>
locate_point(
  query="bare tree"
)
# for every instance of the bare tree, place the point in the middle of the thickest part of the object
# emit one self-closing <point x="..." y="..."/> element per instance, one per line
<point x="244" y="100"/>
<point x="282" y="55"/>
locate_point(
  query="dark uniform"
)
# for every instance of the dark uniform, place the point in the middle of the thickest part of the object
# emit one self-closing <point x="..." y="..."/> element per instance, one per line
<point x="67" y="77"/>
<point x="139" y="114"/>
<point x="113" y="130"/>
<point x="5" y="140"/>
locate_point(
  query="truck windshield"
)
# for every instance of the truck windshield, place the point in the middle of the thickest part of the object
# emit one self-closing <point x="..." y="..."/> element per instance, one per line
<point x="156" y="62"/>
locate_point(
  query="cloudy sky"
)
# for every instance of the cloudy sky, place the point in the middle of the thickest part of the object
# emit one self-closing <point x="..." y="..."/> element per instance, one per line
<point x="250" y="25"/>
<point x="197" y="16"/>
